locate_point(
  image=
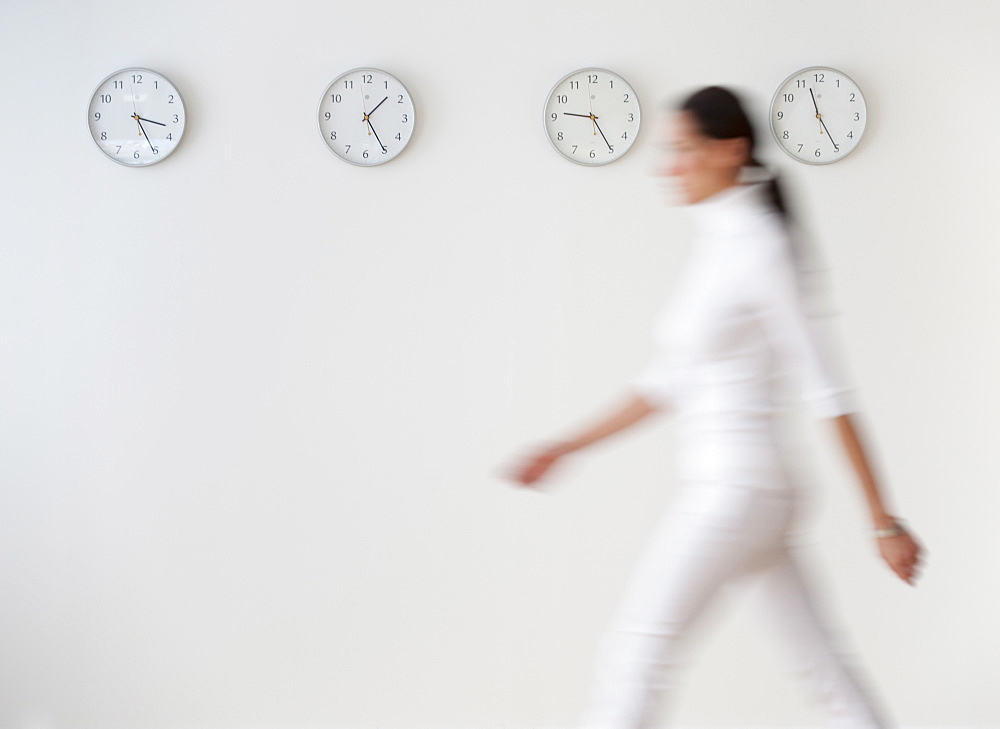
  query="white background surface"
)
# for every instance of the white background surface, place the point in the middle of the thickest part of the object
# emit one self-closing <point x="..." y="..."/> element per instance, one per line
<point x="253" y="400"/>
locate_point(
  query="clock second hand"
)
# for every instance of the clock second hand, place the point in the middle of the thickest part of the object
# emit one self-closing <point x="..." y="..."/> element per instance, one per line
<point x="364" y="112"/>
<point x="590" y="99"/>
<point x="135" y="112"/>
<point x="594" y="120"/>
<point x="836" y="147"/>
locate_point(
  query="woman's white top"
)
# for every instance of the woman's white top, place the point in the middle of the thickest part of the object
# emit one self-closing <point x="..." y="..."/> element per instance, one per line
<point x="735" y="326"/>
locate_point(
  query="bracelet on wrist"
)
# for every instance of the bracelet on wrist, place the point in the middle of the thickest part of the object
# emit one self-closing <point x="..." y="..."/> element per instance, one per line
<point x="894" y="531"/>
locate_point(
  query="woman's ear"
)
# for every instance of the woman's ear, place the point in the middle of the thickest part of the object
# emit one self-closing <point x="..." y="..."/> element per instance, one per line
<point x="731" y="152"/>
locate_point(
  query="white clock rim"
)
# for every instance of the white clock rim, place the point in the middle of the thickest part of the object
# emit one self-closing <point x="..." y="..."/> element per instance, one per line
<point x="774" y="133"/>
<point x="91" y="127"/>
<point x="319" y="113"/>
<point x="548" y="98"/>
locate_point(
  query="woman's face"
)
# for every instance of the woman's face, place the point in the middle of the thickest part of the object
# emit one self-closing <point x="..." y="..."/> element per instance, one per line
<point x="703" y="166"/>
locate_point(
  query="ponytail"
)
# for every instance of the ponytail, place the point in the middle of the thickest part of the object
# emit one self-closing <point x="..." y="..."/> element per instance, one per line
<point x="773" y="187"/>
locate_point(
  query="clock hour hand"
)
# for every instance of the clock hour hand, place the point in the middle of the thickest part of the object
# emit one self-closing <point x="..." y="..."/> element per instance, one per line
<point x="818" y="115"/>
<point x="142" y="118"/>
<point x="377" y="106"/>
<point x="592" y="119"/>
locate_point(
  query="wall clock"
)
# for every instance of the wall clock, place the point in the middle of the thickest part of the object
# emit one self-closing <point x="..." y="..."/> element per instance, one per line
<point x="136" y="117"/>
<point x="592" y="116"/>
<point x="366" y="117"/>
<point x="818" y="115"/>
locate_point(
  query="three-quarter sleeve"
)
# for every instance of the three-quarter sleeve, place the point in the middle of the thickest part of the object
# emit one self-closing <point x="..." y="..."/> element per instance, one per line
<point x="804" y="343"/>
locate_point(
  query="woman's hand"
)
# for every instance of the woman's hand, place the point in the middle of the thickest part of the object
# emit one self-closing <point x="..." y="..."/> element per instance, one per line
<point x="633" y="409"/>
<point x="532" y="468"/>
<point x="903" y="554"/>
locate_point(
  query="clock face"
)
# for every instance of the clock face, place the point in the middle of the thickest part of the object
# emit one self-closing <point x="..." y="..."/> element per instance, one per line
<point x="592" y="116"/>
<point x="818" y="115"/>
<point x="136" y="117"/>
<point x="366" y="117"/>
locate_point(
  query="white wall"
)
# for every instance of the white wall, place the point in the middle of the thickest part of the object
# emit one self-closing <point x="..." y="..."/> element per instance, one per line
<point x="253" y="400"/>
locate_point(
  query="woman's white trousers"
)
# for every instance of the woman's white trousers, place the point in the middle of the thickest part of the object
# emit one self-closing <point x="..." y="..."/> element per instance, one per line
<point x="713" y="533"/>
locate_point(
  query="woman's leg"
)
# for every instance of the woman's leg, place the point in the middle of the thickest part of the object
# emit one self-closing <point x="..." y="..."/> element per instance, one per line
<point x="711" y="533"/>
<point x="794" y="613"/>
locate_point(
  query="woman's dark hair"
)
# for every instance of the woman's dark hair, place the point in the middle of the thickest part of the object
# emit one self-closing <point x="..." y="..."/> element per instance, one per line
<point x="719" y="114"/>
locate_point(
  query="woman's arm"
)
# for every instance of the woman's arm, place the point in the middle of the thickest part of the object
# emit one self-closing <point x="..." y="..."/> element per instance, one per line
<point x="901" y="552"/>
<point x="631" y="411"/>
<point x="800" y="342"/>
<point x="881" y="518"/>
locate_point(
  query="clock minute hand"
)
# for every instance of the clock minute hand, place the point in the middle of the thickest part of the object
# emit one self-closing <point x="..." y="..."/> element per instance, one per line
<point x="136" y="117"/>
<point x="602" y="135"/>
<point x="836" y="147"/>
<point x="373" y="130"/>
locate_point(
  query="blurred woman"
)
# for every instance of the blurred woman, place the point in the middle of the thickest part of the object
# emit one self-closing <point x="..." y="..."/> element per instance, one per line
<point x="736" y="321"/>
